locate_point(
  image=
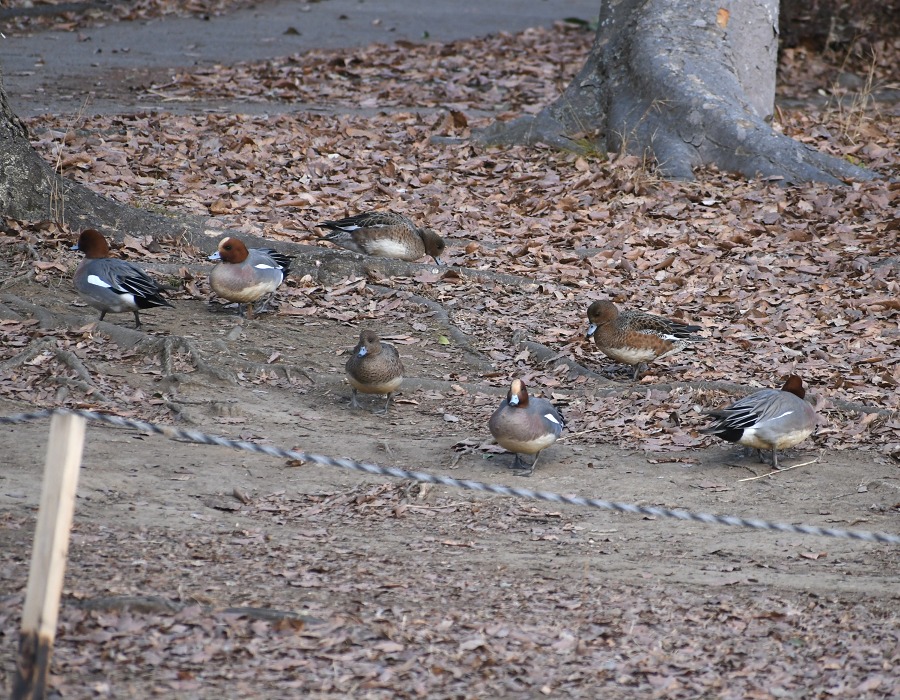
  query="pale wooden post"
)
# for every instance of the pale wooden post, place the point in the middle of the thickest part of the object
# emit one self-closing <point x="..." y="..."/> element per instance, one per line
<point x="48" y="556"/>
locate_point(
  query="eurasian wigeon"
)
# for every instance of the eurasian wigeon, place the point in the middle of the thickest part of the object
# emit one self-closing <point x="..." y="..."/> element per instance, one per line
<point x="386" y="235"/>
<point x="770" y="419"/>
<point x="374" y="368"/>
<point x="247" y="275"/>
<point x="525" y="426"/>
<point x="112" y="285"/>
<point x="635" y="338"/>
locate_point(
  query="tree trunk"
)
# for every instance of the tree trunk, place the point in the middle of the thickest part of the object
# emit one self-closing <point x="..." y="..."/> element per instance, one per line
<point x="30" y="190"/>
<point x="687" y="82"/>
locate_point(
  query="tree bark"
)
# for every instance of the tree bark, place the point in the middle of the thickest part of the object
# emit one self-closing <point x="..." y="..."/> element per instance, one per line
<point x="685" y="82"/>
<point x="31" y="190"/>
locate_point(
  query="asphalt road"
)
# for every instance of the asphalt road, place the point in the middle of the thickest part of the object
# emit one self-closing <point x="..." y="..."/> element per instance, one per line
<point x="50" y="71"/>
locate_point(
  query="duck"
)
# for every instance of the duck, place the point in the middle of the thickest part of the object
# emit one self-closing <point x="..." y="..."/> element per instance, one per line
<point x="386" y="235"/>
<point x="374" y="368"/>
<point x="525" y="425"/>
<point x="636" y="338"/>
<point x="770" y="419"/>
<point x="247" y="275"/>
<point x="112" y="285"/>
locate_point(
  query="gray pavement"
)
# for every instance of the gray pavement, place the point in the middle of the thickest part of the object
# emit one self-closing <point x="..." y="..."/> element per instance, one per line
<point x="54" y="71"/>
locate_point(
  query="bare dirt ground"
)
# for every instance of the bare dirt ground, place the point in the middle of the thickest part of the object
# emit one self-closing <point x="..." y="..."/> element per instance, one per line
<point x="198" y="572"/>
<point x="415" y="591"/>
<point x="431" y="592"/>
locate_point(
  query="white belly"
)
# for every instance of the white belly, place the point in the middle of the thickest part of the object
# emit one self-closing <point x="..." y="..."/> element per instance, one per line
<point x="630" y="356"/>
<point x="763" y="441"/>
<point x="390" y="249"/>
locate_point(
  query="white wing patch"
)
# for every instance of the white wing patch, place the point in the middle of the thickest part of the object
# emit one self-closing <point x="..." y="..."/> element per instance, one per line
<point x="98" y="282"/>
<point x="264" y="266"/>
<point x="551" y="418"/>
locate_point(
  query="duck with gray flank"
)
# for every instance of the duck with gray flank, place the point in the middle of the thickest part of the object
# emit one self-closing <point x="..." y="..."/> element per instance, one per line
<point x="247" y="275"/>
<point x="112" y="285"/>
<point x="770" y="419"/>
<point x="374" y="368"/>
<point x="386" y="235"/>
<point x="525" y="425"/>
<point x="636" y="338"/>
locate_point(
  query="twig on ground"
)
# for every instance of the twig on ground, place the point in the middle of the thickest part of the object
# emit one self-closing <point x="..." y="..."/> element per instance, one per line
<point x="779" y="471"/>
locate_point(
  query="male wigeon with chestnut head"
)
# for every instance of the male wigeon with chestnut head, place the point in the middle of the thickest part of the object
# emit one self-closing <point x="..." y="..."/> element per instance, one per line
<point x="112" y="285"/>
<point x="386" y="235"/>
<point x="770" y="419"/>
<point x="525" y="425"/>
<point x="247" y="275"/>
<point x="636" y="338"/>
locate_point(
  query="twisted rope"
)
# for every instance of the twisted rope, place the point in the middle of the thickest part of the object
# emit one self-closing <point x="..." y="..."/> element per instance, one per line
<point x="202" y="438"/>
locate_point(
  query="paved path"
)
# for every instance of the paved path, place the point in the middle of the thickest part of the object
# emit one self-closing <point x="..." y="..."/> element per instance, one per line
<point x="53" y="71"/>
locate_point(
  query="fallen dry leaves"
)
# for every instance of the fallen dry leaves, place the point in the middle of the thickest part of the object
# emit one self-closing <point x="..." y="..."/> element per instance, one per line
<point x="803" y="279"/>
<point x="319" y="613"/>
<point x="25" y="16"/>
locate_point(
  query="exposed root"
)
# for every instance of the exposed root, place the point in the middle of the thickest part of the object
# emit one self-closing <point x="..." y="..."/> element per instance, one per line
<point x="860" y="408"/>
<point x="35" y="348"/>
<point x="329" y="266"/>
<point x="440" y="314"/>
<point x="71" y="361"/>
<point x="337" y="381"/>
<point x="166" y="347"/>
<point x="156" y="605"/>
<point x="530" y="131"/>
<point x="16" y="279"/>
<point x="163" y="347"/>
<point x="635" y="94"/>
<point x="287" y="370"/>
<point x="86" y="387"/>
<point x="549" y="356"/>
<point x="47" y="319"/>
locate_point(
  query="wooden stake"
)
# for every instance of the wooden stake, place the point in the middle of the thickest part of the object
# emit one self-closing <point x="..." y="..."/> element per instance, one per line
<point x="48" y="556"/>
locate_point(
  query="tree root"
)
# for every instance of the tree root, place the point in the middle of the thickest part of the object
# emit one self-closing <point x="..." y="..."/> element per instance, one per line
<point x="46" y="319"/>
<point x="287" y="370"/>
<point x="860" y="408"/>
<point x="741" y="390"/>
<point x="329" y="266"/>
<point x="663" y="84"/>
<point x="165" y="349"/>
<point x="16" y="279"/>
<point x="531" y="131"/>
<point x="157" y="605"/>
<point x="440" y="314"/>
<point x="64" y="357"/>
<point x="337" y="381"/>
<point x="548" y="356"/>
